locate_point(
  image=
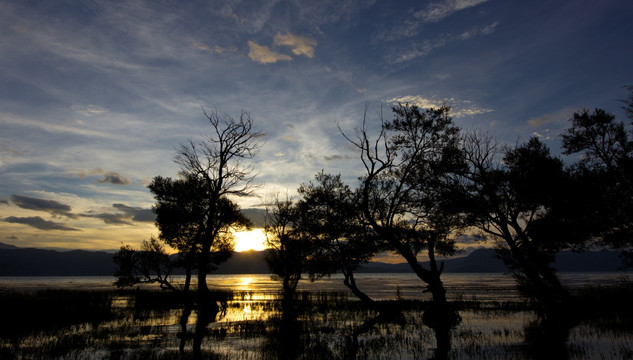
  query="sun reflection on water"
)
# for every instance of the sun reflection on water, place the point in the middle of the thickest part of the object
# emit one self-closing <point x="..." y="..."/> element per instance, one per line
<point x="244" y="283"/>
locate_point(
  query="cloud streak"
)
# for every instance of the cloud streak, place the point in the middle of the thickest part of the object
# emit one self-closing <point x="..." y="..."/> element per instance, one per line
<point x="50" y="206"/>
<point x="459" y="108"/>
<point x="439" y="10"/>
<point x="127" y="215"/>
<point x="39" y="223"/>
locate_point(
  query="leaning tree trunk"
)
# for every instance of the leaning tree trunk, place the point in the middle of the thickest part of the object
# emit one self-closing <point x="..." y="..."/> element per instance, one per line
<point x="350" y="282"/>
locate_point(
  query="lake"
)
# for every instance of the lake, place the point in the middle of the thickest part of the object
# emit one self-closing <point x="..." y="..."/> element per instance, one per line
<point x="326" y="321"/>
<point x="387" y="286"/>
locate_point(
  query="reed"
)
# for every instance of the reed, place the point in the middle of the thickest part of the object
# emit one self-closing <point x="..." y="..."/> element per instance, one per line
<point x="143" y="324"/>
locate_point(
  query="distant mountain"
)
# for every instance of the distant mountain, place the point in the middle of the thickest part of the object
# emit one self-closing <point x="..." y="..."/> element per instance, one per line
<point x="41" y="262"/>
<point x="247" y="262"/>
<point x="7" y="246"/>
<point x="485" y="260"/>
<point x="16" y="261"/>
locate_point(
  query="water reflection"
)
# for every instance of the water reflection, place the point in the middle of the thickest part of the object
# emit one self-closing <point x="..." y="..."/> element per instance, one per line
<point x="258" y="324"/>
<point x="285" y="338"/>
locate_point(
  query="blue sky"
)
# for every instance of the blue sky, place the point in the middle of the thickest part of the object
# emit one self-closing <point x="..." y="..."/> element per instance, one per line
<point x="95" y="95"/>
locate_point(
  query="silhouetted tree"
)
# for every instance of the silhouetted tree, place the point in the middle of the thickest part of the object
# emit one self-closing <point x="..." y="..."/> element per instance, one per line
<point x="149" y="264"/>
<point x="289" y="251"/>
<point x="329" y="213"/>
<point x="519" y="196"/>
<point x="405" y="168"/>
<point x="217" y="164"/>
<point x="180" y="218"/>
<point x="604" y="176"/>
<point x="628" y="103"/>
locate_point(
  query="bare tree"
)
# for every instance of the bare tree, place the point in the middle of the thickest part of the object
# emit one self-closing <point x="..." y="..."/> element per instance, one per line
<point x="220" y="163"/>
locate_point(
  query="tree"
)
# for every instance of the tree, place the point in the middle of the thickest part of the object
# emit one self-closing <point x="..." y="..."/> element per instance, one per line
<point x="149" y="264"/>
<point x="289" y="251"/>
<point x="604" y="174"/>
<point x="628" y="103"/>
<point x="604" y="143"/>
<point x="179" y="218"/>
<point x="405" y="168"/>
<point x="520" y="197"/>
<point x="217" y="165"/>
<point x="329" y="213"/>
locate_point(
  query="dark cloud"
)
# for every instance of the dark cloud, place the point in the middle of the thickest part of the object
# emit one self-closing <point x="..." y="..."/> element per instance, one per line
<point x="333" y="157"/>
<point x="137" y="213"/>
<point x="111" y="218"/>
<point x="3" y="201"/>
<point x="51" y="206"/>
<point x="39" y="223"/>
<point x="126" y="215"/>
<point x="115" y="178"/>
<point x="12" y="237"/>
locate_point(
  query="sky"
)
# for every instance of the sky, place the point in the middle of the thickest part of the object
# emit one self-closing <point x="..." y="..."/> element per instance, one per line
<point x="96" y="95"/>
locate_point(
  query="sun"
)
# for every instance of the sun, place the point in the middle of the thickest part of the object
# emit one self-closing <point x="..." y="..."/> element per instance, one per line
<point x="250" y="240"/>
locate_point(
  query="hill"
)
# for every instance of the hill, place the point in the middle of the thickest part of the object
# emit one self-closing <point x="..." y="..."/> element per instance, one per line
<point x="16" y="261"/>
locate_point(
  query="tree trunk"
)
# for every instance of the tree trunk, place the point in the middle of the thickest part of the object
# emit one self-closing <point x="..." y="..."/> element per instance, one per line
<point x="203" y="263"/>
<point x="187" y="279"/>
<point x="350" y="282"/>
<point x="207" y="312"/>
<point x="184" y="320"/>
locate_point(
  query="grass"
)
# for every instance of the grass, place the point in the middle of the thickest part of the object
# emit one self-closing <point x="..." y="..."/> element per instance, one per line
<point x="146" y="325"/>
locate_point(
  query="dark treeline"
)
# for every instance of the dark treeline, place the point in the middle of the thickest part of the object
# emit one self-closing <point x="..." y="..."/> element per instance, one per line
<point x="426" y="182"/>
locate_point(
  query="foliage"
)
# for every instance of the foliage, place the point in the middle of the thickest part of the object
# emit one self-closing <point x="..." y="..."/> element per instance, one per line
<point x="406" y="170"/>
<point x="330" y="215"/>
<point x="290" y="250"/>
<point x="604" y="174"/>
<point x="149" y="264"/>
<point x="515" y="199"/>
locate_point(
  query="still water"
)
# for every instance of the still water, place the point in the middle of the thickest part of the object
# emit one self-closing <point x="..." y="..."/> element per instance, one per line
<point x="379" y="286"/>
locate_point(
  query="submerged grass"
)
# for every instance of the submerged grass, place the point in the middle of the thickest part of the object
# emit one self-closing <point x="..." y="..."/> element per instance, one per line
<point x="315" y="325"/>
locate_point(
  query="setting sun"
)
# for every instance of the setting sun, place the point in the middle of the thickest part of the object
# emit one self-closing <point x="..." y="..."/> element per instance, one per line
<point x="250" y="240"/>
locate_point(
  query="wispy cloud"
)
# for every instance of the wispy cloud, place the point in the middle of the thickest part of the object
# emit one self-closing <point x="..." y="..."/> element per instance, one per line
<point x="459" y="108"/>
<point x="89" y="110"/>
<point x="416" y="49"/>
<point x="485" y="30"/>
<point x="300" y="45"/>
<point x="439" y="10"/>
<point x="561" y="116"/>
<point x="39" y="223"/>
<point x="262" y="54"/>
<point x="216" y="49"/>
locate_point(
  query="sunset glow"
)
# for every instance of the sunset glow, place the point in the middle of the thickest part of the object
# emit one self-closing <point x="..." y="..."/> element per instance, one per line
<point x="250" y="240"/>
<point x="96" y="96"/>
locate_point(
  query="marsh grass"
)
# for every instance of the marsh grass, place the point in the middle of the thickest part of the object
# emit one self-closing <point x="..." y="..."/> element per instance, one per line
<point x="314" y="325"/>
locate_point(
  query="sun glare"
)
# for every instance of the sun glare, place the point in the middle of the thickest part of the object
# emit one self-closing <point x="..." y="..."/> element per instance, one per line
<point x="250" y="240"/>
